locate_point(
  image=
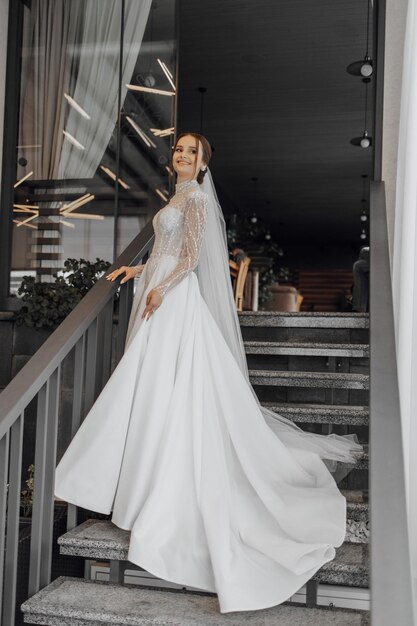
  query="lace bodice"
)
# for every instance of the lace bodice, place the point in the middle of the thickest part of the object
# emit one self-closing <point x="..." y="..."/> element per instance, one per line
<point x="179" y="228"/>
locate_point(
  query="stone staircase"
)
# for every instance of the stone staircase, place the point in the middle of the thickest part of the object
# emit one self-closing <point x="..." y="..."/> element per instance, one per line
<point x="309" y="367"/>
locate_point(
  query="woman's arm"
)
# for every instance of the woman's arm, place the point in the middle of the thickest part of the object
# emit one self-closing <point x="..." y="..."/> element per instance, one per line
<point x="194" y="224"/>
<point x="130" y="271"/>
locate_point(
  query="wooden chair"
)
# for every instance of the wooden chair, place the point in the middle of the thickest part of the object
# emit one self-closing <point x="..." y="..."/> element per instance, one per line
<point x="239" y="272"/>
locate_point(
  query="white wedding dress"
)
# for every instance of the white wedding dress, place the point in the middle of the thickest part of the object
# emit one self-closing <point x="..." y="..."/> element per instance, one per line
<point x="176" y="447"/>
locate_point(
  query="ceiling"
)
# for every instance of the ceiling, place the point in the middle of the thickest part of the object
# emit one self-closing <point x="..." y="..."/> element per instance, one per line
<point x="281" y="107"/>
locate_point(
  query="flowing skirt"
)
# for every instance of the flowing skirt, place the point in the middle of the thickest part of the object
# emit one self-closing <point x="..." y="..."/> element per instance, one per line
<point x="176" y="447"/>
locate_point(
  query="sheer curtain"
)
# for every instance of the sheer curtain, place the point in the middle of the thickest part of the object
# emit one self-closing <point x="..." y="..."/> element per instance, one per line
<point x="71" y="49"/>
<point x="72" y="46"/>
<point x="49" y="27"/>
<point x="96" y="82"/>
<point x="405" y="273"/>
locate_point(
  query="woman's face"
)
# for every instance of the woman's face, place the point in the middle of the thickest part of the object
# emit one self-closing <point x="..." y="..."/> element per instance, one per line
<point x="185" y="157"/>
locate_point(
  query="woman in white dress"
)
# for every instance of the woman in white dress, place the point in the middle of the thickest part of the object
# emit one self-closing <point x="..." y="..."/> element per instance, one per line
<point x="218" y="492"/>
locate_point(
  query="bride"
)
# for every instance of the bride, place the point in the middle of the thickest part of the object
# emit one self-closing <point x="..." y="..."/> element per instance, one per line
<point x="217" y="492"/>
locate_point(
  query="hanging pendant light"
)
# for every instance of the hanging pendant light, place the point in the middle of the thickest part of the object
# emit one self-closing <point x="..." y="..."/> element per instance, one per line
<point x="363" y="68"/>
<point x="363" y="234"/>
<point x="254" y="217"/>
<point x="365" y="141"/>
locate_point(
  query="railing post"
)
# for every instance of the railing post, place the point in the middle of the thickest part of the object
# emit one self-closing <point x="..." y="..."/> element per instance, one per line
<point x="4" y="465"/>
<point x="50" y="463"/>
<point x="108" y="341"/>
<point x="125" y="305"/>
<point x="91" y="364"/>
<point x="13" y="510"/>
<point x="43" y="506"/>
<point x="77" y="403"/>
<point x="101" y="323"/>
<point x="39" y="491"/>
<point x="88" y="330"/>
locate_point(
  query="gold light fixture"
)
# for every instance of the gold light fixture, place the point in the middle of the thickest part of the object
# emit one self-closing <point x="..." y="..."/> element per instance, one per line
<point x="19" y="182"/>
<point x="165" y="132"/>
<point x="28" y="219"/>
<point x="148" y="142"/>
<point x="167" y="73"/>
<point x="19" y="223"/>
<point x="161" y="194"/>
<point x="26" y="207"/>
<point x="74" y="141"/>
<point x="112" y="175"/>
<point x="84" y="216"/>
<point x="76" y="106"/>
<point x="69" y="208"/>
<point x="61" y="221"/>
<point x="161" y="92"/>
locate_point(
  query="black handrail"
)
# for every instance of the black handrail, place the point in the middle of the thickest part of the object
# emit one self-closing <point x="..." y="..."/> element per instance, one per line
<point x="87" y="331"/>
<point x="33" y="375"/>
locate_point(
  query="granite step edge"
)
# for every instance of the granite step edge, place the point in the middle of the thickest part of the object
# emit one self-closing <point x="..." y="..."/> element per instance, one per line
<point x="339" y="380"/>
<point x="101" y="539"/>
<point x="108" y="603"/>
<point x="306" y="348"/>
<point x="349" y="567"/>
<point x="304" y="319"/>
<point x="321" y="413"/>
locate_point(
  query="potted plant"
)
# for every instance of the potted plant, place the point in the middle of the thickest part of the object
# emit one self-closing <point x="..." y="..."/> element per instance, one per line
<point x="47" y="304"/>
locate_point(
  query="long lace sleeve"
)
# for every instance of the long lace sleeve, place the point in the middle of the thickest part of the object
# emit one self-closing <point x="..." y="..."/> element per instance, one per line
<point x="195" y="213"/>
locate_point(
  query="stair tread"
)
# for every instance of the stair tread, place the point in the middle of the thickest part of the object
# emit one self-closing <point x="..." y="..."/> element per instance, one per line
<point x="298" y="374"/>
<point x="99" y="536"/>
<point x="304" y="319"/>
<point x="308" y="344"/>
<point x="296" y="347"/>
<point x="72" y="601"/>
<point x="318" y="408"/>
<point x="101" y="539"/>
<point x="344" y="380"/>
<point x="321" y="413"/>
<point x="350" y="566"/>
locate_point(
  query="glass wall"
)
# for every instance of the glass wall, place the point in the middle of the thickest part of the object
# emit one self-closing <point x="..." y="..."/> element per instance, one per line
<point x="96" y="127"/>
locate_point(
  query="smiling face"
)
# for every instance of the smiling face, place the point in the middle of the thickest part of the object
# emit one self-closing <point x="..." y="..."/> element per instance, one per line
<point x="186" y="160"/>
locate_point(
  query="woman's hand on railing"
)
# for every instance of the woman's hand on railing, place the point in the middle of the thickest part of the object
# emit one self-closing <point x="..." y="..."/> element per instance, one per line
<point x="129" y="271"/>
<point x="153" y="302"/>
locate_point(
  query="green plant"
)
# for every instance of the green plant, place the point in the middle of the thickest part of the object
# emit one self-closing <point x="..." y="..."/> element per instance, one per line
<point x="26" y="496"/>
<point x="251" y="234"/>
<point x="47" y="304"/>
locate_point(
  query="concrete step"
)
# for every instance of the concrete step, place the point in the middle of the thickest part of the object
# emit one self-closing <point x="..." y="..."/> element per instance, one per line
<point x="77" y="602"/>
<point x="307" y="348"/>
<point x="349" y="567"/>
<point x="357" y="523"/>
<point x="96" y="539"/>
<point x="321" y="413"/>
<point x="362" y="463"/>
<point x="101" y="539"/>
<point x="327" y="380"/>
<point x="305" y="319"/>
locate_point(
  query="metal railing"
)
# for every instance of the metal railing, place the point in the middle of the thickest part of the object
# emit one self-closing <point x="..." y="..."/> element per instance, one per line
<point x="86" y="334"/>
<point x="391" y="581"/>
